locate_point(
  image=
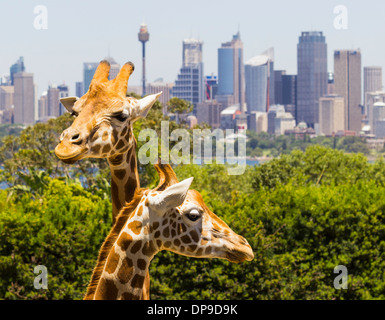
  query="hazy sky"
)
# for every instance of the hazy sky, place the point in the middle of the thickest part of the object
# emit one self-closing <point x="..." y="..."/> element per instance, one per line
<point x="85" y="31"/>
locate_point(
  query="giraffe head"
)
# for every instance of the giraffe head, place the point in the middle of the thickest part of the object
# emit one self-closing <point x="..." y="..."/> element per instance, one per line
<point x="103" y="117"/>
<point x="182" y="223"/>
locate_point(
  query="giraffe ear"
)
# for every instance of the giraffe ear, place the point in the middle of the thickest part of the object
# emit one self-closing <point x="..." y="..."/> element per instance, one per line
<point x="144" y="105"/>
<point x="171" y="197"/>
<point x="68" y="103"/>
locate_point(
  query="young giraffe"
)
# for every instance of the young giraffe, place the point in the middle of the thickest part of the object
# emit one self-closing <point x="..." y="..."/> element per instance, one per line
<point x="103" y="129"/>
<point x="170" y="217"/>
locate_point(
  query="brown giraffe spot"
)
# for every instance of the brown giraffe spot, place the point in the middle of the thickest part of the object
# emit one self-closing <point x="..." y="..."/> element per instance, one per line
<point x="158" y="243"/>
<point x="137" y="281"/>
<point x="128" y="136"/>
<point x="120" y="174"/>
<point x="166" y="232"/>
<point x="106" y="148"/>
<point x="155" y="225"/>
<point x="177" y="242"/>
<point x="147" y="202"/>
<point x="124" y="241"/>
<point x="135" y="226"/>
<point x="115" y="193"/>
<point x="107" y="290"/>
<point x="181" y="249"/>
<point x="167" y="244"/>
<point x="141" y="264"/>
<point x="194" y="235"/>
<point x="157" y="234"/>
<point x="130" y="187"/>
<point x="112" y="261"/>
<point x="116" y="160"/>
<point x="129" y="296"/>
<point x="186" y="239"/>
<point x="124" y="131"/>
<point x="148" y="249"/>
<point x="208" y="250"/>
<point x="199" y="252"/>
<point x="165" y="221"/>
<point x="94" y="137"/>
<point x="136" y="247"/>
<point x="95" y="149"/>
<point x="173" y="233"/>
<point x="133" y="162"/>
<point x="126" y="270"/>
<point x="120" y="144"/>
<point x="192" y="247"/>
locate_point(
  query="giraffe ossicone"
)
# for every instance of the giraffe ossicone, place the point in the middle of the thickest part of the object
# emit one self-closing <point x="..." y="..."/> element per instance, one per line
<point x="170" y="217"/>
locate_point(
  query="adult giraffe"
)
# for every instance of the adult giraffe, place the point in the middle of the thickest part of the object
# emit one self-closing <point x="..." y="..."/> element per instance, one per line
<point x="170" y="217"/>
<point x="103" y="129"/>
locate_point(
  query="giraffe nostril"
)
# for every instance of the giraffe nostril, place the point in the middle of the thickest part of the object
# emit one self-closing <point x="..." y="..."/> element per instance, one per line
<point x="76" y="139"/>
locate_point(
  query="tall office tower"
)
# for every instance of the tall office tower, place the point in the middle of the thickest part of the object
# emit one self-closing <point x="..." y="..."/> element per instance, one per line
<point x="79" y="90"/>
<point x="331" y="114"/>
<point x="278" y="86"/>
<point x="211" y="87"/>
<point x="63" y="92"/>
<point x="259" y="72"/>
<point x="89" y="69"/>
<point x="53" y="103"/>
<point x="347" y="83"/>
<point x="372" y="81"/>
<point x="312" y="76"/>
<point x="289" y="93"/>
<point x="143" y="37"/>
<point x="24" y="98"/>
<point x="231" y="73"/>
<point x="190" y="84"/>
<point x="16" y="68"/>
<point x="6" y="97"/>
<point x="42" y="106"/>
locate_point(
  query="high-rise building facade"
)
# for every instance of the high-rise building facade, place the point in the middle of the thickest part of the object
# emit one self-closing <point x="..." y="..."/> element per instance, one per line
<point x="259" y="80"/>
<point x="53" y="103"/>
<point x="312" y="76"/>
<point x="16" y="68"/>
<point x="189" y="85"/>
<point x="331" y="114"/>
<point x="63" y="92"/>
<point x="6" y="97"/>
<point x="24" y="98"/>
<point x="231" y="74"/>
<point x="347" y="83"/>
<point x="79" y="88"/>
<point x="89" y="69"/>
<point x="372" y="82"/>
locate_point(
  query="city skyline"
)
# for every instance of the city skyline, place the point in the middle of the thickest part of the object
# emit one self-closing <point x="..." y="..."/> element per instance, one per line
<point x="84" y="32"/>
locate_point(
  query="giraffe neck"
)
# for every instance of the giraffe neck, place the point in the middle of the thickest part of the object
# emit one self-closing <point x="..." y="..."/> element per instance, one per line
<point x="123" y="273"/>
<point x="124" y="179"/>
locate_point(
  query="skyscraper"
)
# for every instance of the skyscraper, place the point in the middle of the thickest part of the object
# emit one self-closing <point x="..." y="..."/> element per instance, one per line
<point x="231" y="73"/>
<point x="190" y="82"/>
<point x="372" y="82"/>
<point x="259" y="80"/>
<point x="53" y="103"/>
<point x="24" y="98"/>
<point x="312" y="77"/>
<point x="347" y="83"/>
<point x="17" y="67"/>
<point x="63" y="92"/>
<point x="89" y="69"/>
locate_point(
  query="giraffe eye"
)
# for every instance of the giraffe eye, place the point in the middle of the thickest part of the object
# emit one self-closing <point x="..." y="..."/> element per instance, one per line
<point x="74" y="114"/>
<point x="121" y="117"/>
<point x="193" y="215"/>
